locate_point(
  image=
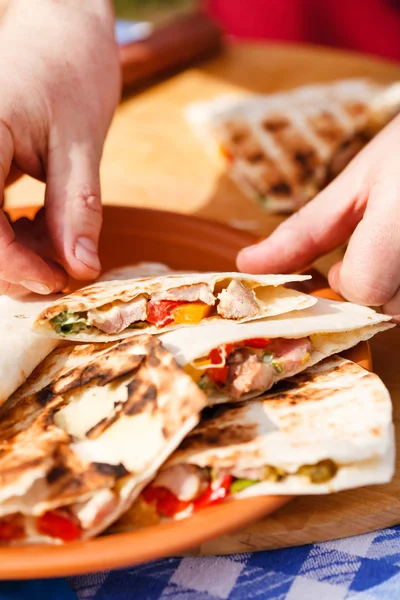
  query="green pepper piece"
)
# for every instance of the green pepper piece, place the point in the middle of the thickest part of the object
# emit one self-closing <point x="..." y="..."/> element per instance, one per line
<point x="241" y="484"/>
<point x="277" y="366"/>
<point x="321" y="472"/>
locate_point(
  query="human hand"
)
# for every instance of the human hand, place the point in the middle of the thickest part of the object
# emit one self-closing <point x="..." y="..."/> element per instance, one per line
<point x="60" y="78"/>
<point x="362" y="203"/>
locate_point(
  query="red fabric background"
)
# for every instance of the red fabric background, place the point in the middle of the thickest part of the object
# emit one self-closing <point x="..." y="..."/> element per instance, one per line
<point x="371" y="26"/>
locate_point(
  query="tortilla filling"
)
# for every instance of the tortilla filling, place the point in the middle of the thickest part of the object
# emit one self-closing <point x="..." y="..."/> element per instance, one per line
<point x="249" y="366"/>
<point x="183" y="489"/>
<point x="58" y="524"/>
<point x="185" y="305"/>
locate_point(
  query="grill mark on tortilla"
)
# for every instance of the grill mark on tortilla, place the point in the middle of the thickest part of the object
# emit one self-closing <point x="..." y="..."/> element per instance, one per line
<point x="101" y="426"/>
<point x="91" y="372"/>
<point x="235" y="434"/>
<point x="152" y="359"/>
<point x="117" y="471"/>
<point x="56" y="473"/>
<point x="140" y="401"/>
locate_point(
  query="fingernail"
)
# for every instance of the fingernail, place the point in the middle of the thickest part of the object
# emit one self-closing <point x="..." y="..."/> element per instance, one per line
<point x="36" y="287"/>
<point x="86" y="251"/>
<point x="248" y="249"/>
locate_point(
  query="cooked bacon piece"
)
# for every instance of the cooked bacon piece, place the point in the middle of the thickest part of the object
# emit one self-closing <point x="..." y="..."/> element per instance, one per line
<point x="237" y="301"/>
<point x="187" y="293"/>
<point x="119" y="316"/>
<point x="186" y="482"/>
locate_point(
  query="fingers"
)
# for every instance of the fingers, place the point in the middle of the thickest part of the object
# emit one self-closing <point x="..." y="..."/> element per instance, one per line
<point x="370" y="271"/>
<point x="319" y="227"/>
<point x="73" y="208"/>
<point x="19" y="265"/>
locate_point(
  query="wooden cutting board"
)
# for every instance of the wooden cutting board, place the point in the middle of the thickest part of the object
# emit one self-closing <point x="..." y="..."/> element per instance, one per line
<point x="151" y="159"/>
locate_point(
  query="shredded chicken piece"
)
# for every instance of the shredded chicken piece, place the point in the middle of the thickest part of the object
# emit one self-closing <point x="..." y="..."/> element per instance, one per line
<point x="187" y="293"/>
<point x="186" y="482"/>
<point x="119" y="316"/>
<point x="237" y="301"/>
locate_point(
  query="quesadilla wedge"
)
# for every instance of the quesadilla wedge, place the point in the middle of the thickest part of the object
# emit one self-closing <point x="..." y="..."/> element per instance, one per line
<point x="232" y="362"/>
<point x="85" y="434"/>
<point x="282" y="149"/>
<point x="142" y="269"/>
<point x="117" y="309"/>
<point x="21" y="350"/>
<point x="325" y="430"/>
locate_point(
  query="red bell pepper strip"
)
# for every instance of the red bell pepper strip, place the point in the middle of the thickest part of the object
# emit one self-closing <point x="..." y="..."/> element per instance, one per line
<point x="58" y="524"/>
<point x="159" y="311"/>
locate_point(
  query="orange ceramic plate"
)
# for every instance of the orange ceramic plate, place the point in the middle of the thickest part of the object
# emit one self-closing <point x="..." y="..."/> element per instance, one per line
<point x="131" y="235"/>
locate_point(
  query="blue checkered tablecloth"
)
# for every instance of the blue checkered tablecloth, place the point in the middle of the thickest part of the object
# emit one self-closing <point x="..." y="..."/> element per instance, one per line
<point x="366" y="567"/>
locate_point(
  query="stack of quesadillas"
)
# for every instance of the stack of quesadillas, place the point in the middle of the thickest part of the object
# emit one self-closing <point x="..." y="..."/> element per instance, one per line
<point x="236" y="392"/>
<point x="281" y="149"/>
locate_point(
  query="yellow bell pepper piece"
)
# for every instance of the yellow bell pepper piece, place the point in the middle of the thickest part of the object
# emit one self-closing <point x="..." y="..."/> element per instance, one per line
<point x="195" y="371"/>
<point x="305" y="358"/>
<point x="191" y="314"/>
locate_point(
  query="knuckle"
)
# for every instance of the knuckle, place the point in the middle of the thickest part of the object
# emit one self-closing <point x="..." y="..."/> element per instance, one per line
<point x="87" y="209"/>
<point x="365" y="291"/>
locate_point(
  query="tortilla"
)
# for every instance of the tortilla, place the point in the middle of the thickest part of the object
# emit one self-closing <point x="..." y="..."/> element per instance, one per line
<point x="282" y="149"/>
<point x="330" y="327"/>
<point x="86" y="432"/>
<point x="267" y="295"/>
<point x="21" y="350"/>
<point x="326" y="430"/>
<point x="142" y="269"/>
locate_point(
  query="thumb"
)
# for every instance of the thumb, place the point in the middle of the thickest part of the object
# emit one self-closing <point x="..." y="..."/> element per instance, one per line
<point x="73" y="209"/>
<point x="320" y="226"/>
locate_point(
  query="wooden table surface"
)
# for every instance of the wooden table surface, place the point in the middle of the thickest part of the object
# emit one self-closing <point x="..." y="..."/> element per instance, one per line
<point x="151" y="159"/>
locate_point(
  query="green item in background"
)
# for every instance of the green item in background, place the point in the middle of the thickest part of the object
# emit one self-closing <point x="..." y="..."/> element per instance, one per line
<point x="155" y="11"/>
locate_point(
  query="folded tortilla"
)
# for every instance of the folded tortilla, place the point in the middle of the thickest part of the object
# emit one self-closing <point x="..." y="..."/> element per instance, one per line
<point x="232" y="362"/>
<point x="325" y="430"/>
<point x="112" y="310"/>
<point x="142" y="269"/>
<point x="21" y="350"/>
<point x="281" y="149"/>
<point x="84" y="435"/>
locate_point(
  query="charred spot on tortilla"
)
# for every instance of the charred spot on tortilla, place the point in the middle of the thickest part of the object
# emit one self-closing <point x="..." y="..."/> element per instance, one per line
<point x="142" y="397"/>
<point x="118" y="471"/>
<point x="281" y="189"/>
<point x="275" y="123"/>
<point x="45" y="396"/>
<point x="55" y="473"/>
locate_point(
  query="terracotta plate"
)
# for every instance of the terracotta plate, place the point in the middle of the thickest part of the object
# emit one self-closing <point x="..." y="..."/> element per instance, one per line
<point x="131" y="235"/>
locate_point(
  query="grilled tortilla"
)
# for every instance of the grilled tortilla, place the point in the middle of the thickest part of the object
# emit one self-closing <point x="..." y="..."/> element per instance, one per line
<point x="325" y="430"/>
<point x="281" y="149"/>
<point x="112" y="310"/>
<point x="21" y="350"/>
<point x="85" y="433"/>
<point x="142" y="269"/>
<point x="232" y="362"/>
